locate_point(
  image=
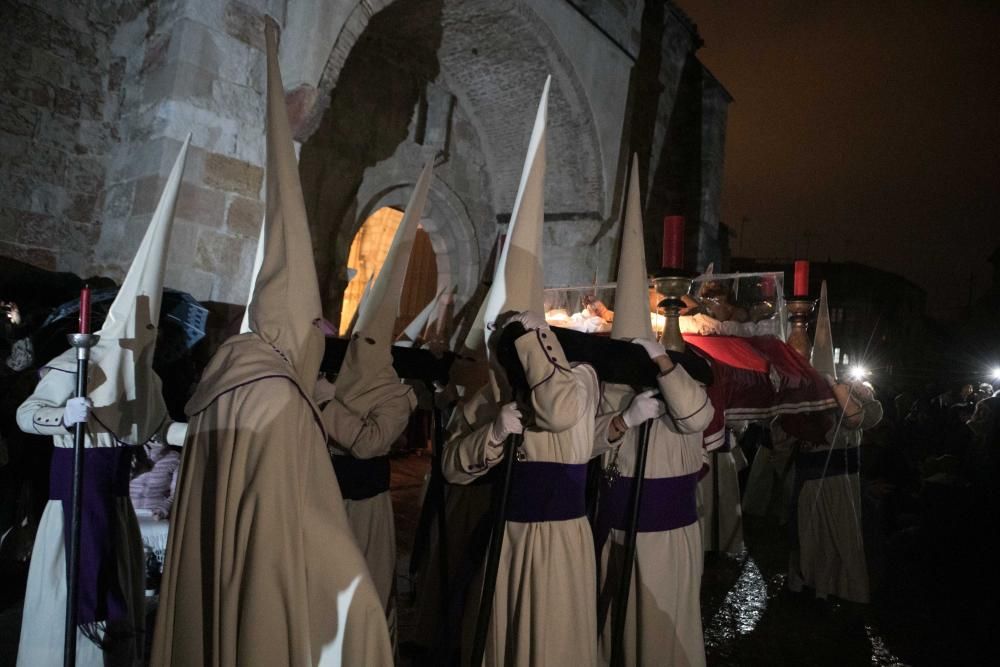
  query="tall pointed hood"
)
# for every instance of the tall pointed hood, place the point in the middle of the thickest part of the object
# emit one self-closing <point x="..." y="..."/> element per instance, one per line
<point x="414" y="330"/>
<point x="365" y="293"/>
<point x="469" y="321"/>
<point x="632" y="294"/>
<point x="442" y="320"/>
<point x="127" y="393"/>
<point x="367" y="377"/>
<point x="285" y="303"/>
<point x="379" y="311"/>
<point x="519" y="278"/>
<point x="822" y="349"/>
<point x="258" y="259"/>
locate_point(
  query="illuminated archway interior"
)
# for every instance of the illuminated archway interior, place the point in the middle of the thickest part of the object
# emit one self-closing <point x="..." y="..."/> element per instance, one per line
<point x="367" y="255"/>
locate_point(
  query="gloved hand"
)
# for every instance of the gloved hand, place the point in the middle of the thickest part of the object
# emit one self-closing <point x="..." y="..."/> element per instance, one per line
<point x="643" y="407"/>
<point x="506" y="423"/>
<point x="530" y="320"/>
<point x="652" y="347"/>
<point x="176" y="433"/>
<point x="77" y="410"/>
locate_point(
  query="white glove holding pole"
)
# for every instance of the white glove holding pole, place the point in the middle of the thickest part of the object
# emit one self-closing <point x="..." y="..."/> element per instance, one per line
<point x="652" y="347"/>
<point x="642" y="408"/>
<point x="77" y="411"/>
<point x="506" y="423"/>
<point x="530" y="320"/>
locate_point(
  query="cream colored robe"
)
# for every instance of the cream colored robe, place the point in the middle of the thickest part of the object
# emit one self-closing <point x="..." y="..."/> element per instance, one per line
<point x="772" y="477"/>
<point x="43" y="624"/>
<point x="663" y="622"/>
<point x="831" y="556"/>
<point x="365" y="436"/>
<point x="261" y="564"/>
<point x="543" y="611"/>
<point x="730" y="510"/>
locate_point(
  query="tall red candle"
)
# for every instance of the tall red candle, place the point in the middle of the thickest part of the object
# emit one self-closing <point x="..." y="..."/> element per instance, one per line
<point x="673" y="242"/>
<point x="85" y="310"/>
<point x="801" y="278"/>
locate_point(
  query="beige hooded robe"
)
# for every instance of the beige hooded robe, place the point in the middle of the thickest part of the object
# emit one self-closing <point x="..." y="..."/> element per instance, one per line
<point x="831" y="554"/>
<point x="466" y="505"/>
<point x="370" y="407"/>
<point x="663" y="618"/>
<point x="261" y="566"/>
<point x="543" y="612"/>
<point x="128" y="410"/>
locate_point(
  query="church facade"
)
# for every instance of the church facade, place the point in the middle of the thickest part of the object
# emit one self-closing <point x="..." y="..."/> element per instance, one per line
<point x="99" y="97"/>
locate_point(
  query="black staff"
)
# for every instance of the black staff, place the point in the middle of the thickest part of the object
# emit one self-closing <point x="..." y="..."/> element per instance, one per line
<point x="441" y="498"/>
<point x="493" y="557"/>
<point x="625" y="583"/>
<point x="82" y="342"/>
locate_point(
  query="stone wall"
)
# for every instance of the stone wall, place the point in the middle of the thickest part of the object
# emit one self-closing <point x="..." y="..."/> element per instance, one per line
<point x="201" y="71"/>
<point x="99" y="95"/>
<point x="62" y="90"/>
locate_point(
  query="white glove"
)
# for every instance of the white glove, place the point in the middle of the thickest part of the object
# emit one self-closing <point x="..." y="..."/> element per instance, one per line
<point x="530" y="320"/>
<point x="176" y="433"/>
<point x="77" y="410"/>
<point x="642" y="408"/>
<point x="506" y="423"/>
<point x="652" y="347"/>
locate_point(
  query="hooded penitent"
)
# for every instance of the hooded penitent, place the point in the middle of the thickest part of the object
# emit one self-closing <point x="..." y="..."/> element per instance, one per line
<point x="632" y="294"/>
<point x="367" y="372"/>
<point x="261" y="566"/>
<point x="823" y="361"/>
<point x="285" y="302"/>
<point x="519" y="279"/>
<point x="127" y="394"/>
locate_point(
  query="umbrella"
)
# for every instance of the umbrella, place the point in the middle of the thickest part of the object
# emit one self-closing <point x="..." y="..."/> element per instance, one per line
<point x="182" y="324"/>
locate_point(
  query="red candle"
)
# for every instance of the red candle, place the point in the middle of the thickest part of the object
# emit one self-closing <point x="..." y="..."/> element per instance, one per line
<point x="801" y="278"/>
<point x="673" y="242"/>
<point x="85" y="310"/>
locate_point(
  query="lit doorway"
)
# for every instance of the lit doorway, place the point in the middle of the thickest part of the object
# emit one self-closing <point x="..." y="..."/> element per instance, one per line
<point x="368" y="251"/>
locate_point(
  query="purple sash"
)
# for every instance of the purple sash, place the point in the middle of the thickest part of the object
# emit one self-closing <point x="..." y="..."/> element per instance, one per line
<point x="666" y="503"/>
<point x="105" y="477"/>
<point x="547" y="491"/>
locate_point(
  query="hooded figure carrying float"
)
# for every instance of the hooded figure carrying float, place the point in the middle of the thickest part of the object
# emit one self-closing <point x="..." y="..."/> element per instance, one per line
<point x="443" y="587"/>
<point x="261" y="565"/>
<point x="124" y="408"/>
<point x="663" y="619"/>
<point x="367" y="408"/>
<point x="829" y="555"/>
<point x="543" y="611"/>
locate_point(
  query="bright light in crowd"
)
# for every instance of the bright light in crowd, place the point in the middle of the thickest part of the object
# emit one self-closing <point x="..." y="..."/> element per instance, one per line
<point x="858" y="373"/>
<point x="996" y="372"/>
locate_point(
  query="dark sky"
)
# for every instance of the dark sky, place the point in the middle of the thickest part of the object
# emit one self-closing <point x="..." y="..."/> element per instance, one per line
<point x="865" y="131"/>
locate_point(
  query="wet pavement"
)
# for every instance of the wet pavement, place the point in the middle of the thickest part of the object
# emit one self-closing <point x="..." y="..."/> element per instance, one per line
<point x="932" y="604"/>
<point x="919" y="615"/>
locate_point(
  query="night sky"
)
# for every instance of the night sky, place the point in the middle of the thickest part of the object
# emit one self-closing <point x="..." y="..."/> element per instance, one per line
<point x="863" y="131"/>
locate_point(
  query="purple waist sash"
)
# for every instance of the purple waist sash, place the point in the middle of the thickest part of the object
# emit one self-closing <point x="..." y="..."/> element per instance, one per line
<point x="666" y="503"/>
<point x="105" y="477"/>
<point x="547" y="491"/>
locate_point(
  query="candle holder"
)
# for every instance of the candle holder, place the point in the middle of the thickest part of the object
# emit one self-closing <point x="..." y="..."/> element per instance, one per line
<point x="672" y="284"/>
<point x="83" y="342"/>
<point x="800" y="309"/>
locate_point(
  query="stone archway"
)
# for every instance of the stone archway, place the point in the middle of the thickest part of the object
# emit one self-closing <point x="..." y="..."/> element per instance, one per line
<point x="456" y="81"/>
